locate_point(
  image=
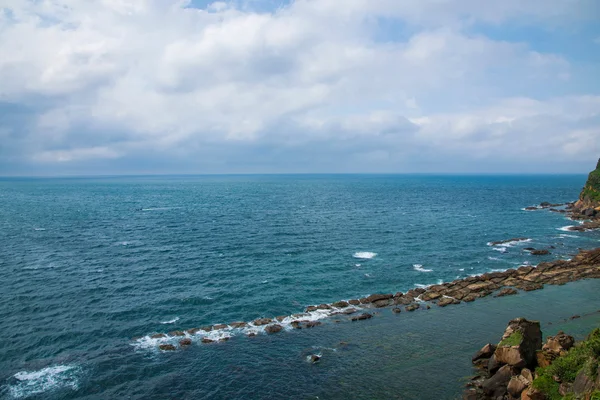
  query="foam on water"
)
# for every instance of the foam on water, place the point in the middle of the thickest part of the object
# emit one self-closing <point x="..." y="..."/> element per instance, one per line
<point x="419" y="267"/>
<point x="366" y="255"/>
<point x="171" y="321"/>
<point x="565" y="228"/>
<point x="29" y="383"/>
<point x="39" y="229"/>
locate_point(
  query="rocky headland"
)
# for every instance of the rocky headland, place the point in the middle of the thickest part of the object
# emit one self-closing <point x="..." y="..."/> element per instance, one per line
<point x="521" y="366"/>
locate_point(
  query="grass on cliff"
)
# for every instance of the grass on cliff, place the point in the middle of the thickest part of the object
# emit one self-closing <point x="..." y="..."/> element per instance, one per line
<point x="514" y="339"/>
<point x="584" y="356"/>
<point x="591" y="190"/>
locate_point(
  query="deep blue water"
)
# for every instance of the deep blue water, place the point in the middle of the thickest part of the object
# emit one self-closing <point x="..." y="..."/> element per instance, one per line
<point x="89" y="264"/>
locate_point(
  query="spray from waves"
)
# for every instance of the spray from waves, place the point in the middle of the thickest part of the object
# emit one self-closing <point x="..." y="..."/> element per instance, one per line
<point x="419" y="267"/>
<point x="365" y="255"/>
<point x="220" y="333"/>
<point x="564" y="235"/>
<point x="39" y="229"/>
<point x="171" y="321"/>
<point x="565" y="228"/>
<point x="30" y="383"/>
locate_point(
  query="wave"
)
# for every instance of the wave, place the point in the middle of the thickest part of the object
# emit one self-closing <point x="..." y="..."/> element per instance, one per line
<point x="419" y="267"/>
<point x="565" y="228"/>
<point x="171" y="321"/>
<point x="364" y="255"/>
<point x="39" y="229"/>
<point x="29" y="383"/>
<point x="223" y="332"/>
<point x="508" y="243"/>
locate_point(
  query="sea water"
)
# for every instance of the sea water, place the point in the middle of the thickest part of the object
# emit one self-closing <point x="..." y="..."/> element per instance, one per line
<point x="90" y="264"/>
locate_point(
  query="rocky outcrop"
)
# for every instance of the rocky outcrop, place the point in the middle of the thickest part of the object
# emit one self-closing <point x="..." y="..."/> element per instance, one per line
<point x="519" y="367"/>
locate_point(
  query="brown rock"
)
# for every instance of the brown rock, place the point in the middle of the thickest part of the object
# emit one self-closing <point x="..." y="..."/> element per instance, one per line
<point x="376" y="297"/>
<point x="544" y="359"/>
<point x="167" y="347"/>
<point x="219" y="326"/>
<point x="158" y="336"/>
<point x="238" y="324"/>
<point x="312" y="324"/>
<point x="516" y="385"/>
<point x="362" y="317"/>
<point x="311" y="308"/>
<point x="314" y="358"/>
<point x="281" y="318"/>
<point x="382" y="303"/>
<point x="273" y="328"/>
<point x="396" y="310"/>
<point x="470" y="297"/>
<point x="486" y="352"/>
<point x="524" y="353"/>
<point x="262" y="321"/>
<point x="185" y="342"/>
<point x="582" y="383"/>
<point x="558" y="344"/>
<point x="412" y="307"/>
<point x="430" y="295"/>
<point x="506" y="292"/>
<point x="176" y="333"/>
<point x="447" y="301"/>
<point x="207" y="340"/>
<point x="354" y="302"/>
<point x="539" y="252"/>
<point x="340" y="304"/>
<point x="323" y="307"/>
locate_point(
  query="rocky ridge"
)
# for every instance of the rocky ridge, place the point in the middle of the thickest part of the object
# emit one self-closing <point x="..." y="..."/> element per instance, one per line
<point x="584" y="265"/>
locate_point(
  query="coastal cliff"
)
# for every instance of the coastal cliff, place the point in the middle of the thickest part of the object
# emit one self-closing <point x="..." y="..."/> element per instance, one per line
<point x="589" y="199"/>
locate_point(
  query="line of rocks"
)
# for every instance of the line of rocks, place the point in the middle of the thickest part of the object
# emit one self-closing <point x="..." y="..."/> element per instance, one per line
<point x="584" y="265"/>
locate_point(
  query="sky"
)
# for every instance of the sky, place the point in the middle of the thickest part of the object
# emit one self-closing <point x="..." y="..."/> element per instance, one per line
<point x="104" y="87"/>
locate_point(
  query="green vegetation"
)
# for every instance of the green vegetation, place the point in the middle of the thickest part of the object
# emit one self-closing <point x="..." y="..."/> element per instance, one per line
<point x="584" y="356"/>
<point x="514" y="339"/>
<point x="591" y="190"/>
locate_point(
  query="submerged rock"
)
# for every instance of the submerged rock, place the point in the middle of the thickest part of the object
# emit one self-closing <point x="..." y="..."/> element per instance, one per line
<point x="362" y="317"/>
<point x="412" y="307"/>
<point x="506" y="292"/>
<point x="262" y="321"/>
<point x="167" y="347"/>
<point x="185" y="342"/>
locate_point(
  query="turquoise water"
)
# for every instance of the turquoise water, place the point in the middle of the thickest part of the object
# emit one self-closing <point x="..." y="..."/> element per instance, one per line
<point x="88" y="264"/>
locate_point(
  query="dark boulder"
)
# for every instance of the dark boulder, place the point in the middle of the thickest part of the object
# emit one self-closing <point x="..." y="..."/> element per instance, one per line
<point x="396" y="310"/>
<point x="412" y="307"/>
<point x="486" y="352"/>
<point x="377" y="297"/>
<point x="340" y="304"/>
<point x="238" y="324"/>
<point x="158" y="336"/>
<point x="542" y="252"/>
<point x="496" y="385"/>
<point x="314" y="358"/>
<point x="185" y="342"/>
<point x="167" y="347"/>
<point x="273" y="328"/>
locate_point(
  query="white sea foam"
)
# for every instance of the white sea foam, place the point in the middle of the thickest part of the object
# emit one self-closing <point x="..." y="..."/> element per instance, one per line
<point x="364" y="255"/>
<point x="357" y="265"/>
<point x="565" y="228"/>
<point x="265" y="281"/>
<point x="461" y="269"/>
<point x="419" y="267"/>
<point x="30" y="383"/>
<point x="494" y="258"/>
<point x="39" y="229"/>
<point x="564" y="235"/>
<point x="509" y="243"/>
<point x="419" y="285"/>
<point x="500" y="249"/>
<point x="367" y="275"/>
<point x="171" y="321"/>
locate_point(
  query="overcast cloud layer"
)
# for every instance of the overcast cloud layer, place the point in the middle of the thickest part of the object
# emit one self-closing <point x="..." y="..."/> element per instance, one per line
<point x="158" y="86"/>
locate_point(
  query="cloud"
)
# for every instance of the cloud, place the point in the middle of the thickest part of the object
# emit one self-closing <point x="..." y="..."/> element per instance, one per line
<point x="154" y="86"/>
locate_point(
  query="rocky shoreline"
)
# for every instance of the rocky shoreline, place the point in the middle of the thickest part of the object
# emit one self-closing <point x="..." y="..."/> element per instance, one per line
<point x="520" y="367"/>
<point x="584" y="265"/>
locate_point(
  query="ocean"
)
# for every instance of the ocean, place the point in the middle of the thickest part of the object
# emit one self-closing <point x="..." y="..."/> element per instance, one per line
<point x="92" y="267"/>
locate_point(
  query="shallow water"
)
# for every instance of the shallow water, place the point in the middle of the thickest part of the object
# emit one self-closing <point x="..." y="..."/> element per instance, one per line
<point x="90" y="263"/>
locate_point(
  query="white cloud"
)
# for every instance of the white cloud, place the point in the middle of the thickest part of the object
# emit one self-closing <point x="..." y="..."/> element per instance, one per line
<point x="117" y="79"/>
